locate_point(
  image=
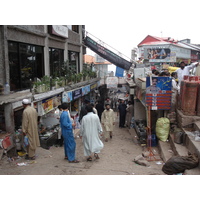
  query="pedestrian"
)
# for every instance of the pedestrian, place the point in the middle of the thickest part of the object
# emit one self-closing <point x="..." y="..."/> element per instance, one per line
<point x="67" y="133"/>
<point x="100" y="109"/>
<point x="107" y="101"/>
<point x="90" y="134"/>
<point x="83" y="111"/>
<point x="175" y="91"/>
<point x="30" y="128"/>
<point x="60" y="137"/>
<point x="122" y="114"/>
<point x="129" y="113"/>
<point x="108" y="121"/>
<point x="94" y="109"/>
<point x="184" y="71"/>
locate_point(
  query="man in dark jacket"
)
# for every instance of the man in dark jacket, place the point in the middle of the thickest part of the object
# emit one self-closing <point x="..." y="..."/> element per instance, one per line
<point x="100" y="109"/>
<point x="122" y="114"/>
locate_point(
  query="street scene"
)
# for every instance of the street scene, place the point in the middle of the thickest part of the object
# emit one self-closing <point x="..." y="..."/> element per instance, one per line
<point x="71" y="104"/>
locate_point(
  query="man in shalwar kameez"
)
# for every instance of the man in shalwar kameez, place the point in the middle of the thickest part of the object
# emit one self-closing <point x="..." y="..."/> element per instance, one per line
<point x="30" y="128"/>
<point x="108" y="121"/>
<point x="89" y="133"/>
<point x="67" y="133"/>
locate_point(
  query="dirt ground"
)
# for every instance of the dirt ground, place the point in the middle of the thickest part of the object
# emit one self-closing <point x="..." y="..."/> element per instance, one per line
<point x="116" y="158"/>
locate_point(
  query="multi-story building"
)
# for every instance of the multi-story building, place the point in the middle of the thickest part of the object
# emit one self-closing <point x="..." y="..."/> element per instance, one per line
<point x="31" y="52"/>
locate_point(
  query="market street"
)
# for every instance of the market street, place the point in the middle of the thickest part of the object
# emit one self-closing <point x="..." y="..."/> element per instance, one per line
<point x="115" y="159"/>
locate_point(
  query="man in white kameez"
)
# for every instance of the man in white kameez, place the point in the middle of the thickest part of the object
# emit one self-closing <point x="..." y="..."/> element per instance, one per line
<point x="90" y="134"/>
<point x="108" y="121"/>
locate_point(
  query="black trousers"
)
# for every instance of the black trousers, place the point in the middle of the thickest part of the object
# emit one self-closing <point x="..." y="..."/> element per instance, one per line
<point x="122" y="118"/>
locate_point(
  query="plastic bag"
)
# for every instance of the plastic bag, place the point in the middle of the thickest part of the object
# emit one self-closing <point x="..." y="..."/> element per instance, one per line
<point x="26" y="143"/>
<point x="162" y="128"/>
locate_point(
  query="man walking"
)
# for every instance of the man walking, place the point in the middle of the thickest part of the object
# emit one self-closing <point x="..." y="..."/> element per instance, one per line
<point x="67" y="133"/>
<point x="129" y="113"/>
<point x="30" y="128"/>
<point x="99" y="107"/>
<point x="122" y="114"/>
<point x="89" y="133"/>
<point x="108" y="121"/>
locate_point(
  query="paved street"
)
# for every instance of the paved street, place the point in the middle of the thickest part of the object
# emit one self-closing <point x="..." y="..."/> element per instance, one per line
<point x="115" y="159"/>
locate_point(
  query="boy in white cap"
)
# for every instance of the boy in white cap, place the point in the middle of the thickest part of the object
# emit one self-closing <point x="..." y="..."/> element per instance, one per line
<point x="30" y="128"/>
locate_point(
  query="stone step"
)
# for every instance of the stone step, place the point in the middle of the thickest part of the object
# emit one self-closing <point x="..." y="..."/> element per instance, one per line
<point x="165" y="149"/>
<point x="178" y="149"/>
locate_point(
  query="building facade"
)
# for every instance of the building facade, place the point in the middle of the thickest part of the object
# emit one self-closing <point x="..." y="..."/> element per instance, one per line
<point x="31" y="52"/>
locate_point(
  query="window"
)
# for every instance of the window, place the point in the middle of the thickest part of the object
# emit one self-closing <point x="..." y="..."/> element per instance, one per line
<point x="75" y="28"/>
<point x="74" y="60"/>
<point x="56" y="57"/>
<point x="26" y="62"/>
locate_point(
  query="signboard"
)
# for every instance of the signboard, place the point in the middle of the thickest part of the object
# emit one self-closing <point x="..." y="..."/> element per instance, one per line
<point x="107" y="54"/>
<point x="157" y="54"/>
<point x="158" y="93"/>
<point x="67" y="97"/>
<point x="59" y="30"/>
<point x="112" y="82"/>
<point x="119" y="72"/>
<point x="85" y="90"/>
<point x="77" y="94"/>
<point x="93" y="86"/>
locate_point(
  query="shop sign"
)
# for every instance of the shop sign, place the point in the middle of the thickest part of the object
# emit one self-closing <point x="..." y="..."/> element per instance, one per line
<point x="59" y="30"/>
<point x="107" y="54"/>
<point x="85" y="90"/>
<point x="77" y="94"/>
<point x="158" y="93"/>
<point x="67" y="97"/>
<point x="93" y="86"/>
<point x="112" y="82"/>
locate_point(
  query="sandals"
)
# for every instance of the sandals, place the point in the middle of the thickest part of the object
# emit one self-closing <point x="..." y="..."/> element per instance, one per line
<point x="96" y="156"/>
<point x="66" y="158"/>
<point x="29" y="158"/>
<point x="74" y="161"/>
<point x="89" y="159"/>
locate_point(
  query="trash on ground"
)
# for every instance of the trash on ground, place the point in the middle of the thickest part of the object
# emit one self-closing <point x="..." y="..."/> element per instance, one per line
<point x="159" y="163"/>
<point x="22" y="164"/>
<point x="141" y="161"/>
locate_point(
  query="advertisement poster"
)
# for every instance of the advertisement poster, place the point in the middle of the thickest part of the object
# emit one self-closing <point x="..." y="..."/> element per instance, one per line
<point x="67" y="97"/>
<point x="159" y="54"/>
<point x="158" y="93"/>
<point x="85" y="90"/>
<point x="47" y="105"/>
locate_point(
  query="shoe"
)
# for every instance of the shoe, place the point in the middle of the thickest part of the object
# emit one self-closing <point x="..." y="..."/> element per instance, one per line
<point x="89" y="159"/>
<point x="110" y="136"/>
<point x="29" y="158"/>
<point x="74" y="161"/>
<point x="96" y="156"/>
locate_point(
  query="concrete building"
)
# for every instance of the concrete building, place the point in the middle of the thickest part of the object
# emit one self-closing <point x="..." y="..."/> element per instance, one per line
<point x="30" y="52"/>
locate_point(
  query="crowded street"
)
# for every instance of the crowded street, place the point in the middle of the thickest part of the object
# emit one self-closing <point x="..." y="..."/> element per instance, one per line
<point x="117" y="158"/>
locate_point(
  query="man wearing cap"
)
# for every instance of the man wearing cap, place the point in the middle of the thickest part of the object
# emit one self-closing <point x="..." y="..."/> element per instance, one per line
<point x="30" y="128"/>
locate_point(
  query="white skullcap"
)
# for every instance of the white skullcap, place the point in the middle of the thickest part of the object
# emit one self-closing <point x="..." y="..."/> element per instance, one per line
<point x="25" y="101"/>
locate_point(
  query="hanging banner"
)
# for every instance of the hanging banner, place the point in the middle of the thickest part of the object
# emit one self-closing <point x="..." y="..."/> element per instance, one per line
<point x="158" y="93"/>
<point x="119" y="72"/>
<point x="77" y="94"/>
<point x="107" y="54"/>
<point x="67" y="97"/>
<point x="85" y="90"/>
<point x="112" y="82"/>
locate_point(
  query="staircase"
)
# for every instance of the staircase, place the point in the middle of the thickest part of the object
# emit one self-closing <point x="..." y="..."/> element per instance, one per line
<point x="170" y="148"/>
